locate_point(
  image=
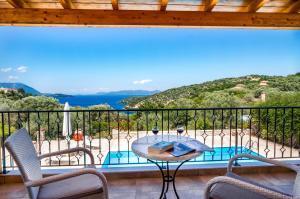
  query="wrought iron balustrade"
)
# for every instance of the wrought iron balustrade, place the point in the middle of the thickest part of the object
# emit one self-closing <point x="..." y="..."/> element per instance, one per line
<point x="272" y="132"/>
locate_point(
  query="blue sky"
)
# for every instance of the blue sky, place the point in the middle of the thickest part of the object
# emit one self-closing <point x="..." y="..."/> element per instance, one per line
<point x="88" y="60"/>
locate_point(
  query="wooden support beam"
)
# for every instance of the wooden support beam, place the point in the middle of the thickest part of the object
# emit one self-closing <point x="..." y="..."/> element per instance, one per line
<point x="16" y="3"/>
<point x="256" y="5"/>
<point x="209" y="5"/>
<point x="121" y="18"/>
<point x="163" y="5"/>
<point x="115" y="4"/>
<point x="293" y="6"/>
<point x="67" y="4"/>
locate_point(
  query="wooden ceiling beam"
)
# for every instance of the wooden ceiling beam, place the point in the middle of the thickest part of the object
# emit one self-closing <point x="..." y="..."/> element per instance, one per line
<point x="16" y="3"/>
<point x="67" y="4"/>
<point x="292" y="6"/>
<point x="115" y="4"/>
<point x="256" y="5"/>
<point x="209" y="5"/>
<point x="163" y="5"/>
<point x="121" y="18"/>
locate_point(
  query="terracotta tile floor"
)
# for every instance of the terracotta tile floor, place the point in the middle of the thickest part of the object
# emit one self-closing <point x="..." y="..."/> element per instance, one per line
<point x="149" y="188"/>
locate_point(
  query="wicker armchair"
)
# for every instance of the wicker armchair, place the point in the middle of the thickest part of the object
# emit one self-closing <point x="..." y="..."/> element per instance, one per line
<point x="233" y="186"/>
<point x="86" y="183"/>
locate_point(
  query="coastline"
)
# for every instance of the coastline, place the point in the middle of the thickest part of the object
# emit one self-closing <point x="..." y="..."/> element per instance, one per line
<point x="115" y="101"/>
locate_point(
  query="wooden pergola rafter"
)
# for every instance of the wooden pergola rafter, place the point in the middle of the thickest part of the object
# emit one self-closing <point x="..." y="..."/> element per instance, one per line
<point x="67" y="4"/>
<point x="115" y="4"/>
<point x="16" y="3"/>
<point x="256" y="5"/>
<point x="209" y="5"/>
<point x="163" y="5"/>
<point x="212" y="13"/>
<point x="293" y="6"/>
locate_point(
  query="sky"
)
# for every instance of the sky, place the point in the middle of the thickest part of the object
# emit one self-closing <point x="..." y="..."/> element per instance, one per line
<point x="89" y="60"/>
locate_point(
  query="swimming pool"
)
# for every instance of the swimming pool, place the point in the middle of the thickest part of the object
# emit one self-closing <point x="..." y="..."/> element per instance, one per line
<point x="123" y="158"/>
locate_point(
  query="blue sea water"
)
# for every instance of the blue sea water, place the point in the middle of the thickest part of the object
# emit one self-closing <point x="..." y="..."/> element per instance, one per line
<point x="89" y="100"/>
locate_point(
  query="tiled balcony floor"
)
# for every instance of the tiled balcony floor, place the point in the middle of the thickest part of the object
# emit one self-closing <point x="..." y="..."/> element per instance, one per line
<point x="149" y="188"/>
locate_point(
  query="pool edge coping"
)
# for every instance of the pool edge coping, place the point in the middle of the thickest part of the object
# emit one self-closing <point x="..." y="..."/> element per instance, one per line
<point x="153" y="172"/>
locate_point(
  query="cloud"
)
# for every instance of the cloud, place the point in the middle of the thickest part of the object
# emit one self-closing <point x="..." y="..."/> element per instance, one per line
<point x="144" y="81"/>
<point x="22" y="69"/>
<point x="11" y="78"/>
<point x="5" y="70"/>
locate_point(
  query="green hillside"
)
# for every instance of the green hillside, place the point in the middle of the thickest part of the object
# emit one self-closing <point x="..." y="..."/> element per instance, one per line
<point x="27" y="89"/>
<point x="227" y="92"/>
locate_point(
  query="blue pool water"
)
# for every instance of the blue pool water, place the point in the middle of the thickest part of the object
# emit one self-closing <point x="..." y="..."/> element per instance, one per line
<point x="219" y="154"/>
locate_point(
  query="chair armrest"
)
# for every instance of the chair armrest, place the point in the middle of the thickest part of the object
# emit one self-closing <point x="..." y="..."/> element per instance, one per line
<point x="243" y="185"/>
<point x="270" y="161"/>
<point x="76" y="149"/>
<point x="59" y="177"/>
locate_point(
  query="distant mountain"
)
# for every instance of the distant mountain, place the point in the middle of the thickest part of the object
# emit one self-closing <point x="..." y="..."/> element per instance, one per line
<point x="130" y="92"/>
<point x="26" y="88"/>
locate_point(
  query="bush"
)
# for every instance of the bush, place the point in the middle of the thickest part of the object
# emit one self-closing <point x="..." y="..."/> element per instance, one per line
<point x="287" y="120"/>
<point x="37" y="103"/>
<point x="6" y="130"/>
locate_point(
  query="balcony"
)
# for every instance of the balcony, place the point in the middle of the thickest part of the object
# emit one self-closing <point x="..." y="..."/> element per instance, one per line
<point x="271" y="132"/>
<point x="189" y="187"/>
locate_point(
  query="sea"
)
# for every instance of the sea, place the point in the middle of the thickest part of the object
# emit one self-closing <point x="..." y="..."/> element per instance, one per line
<point x="90" y="100"/>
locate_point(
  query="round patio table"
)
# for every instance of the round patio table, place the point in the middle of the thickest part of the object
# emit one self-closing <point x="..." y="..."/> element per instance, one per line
<point x="140" y="148"/>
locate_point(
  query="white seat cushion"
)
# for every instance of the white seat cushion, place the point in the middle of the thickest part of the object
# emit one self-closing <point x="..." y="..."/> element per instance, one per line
<point x="75" y="187"/>
<point x="227" y="191"/>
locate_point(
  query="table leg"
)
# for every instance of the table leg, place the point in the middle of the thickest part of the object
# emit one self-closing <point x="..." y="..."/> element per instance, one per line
<point x="174" y="176"/>
<point x="167" y="178"/>
<point x="162" y="194"/>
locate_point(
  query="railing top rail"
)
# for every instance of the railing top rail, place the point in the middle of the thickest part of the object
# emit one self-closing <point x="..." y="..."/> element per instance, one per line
<point x="156" y="109"/>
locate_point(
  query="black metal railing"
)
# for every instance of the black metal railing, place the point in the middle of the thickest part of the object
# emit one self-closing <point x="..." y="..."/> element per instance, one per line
<point x="271" y="132"/>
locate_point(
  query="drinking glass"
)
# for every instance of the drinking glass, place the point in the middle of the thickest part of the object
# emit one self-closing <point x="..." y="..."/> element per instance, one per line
<point x="155" y="131"/>
<point x="180" y="130"/>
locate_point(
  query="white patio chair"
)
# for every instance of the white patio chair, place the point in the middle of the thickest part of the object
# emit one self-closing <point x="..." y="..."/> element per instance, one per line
<point x="85" y="183"/>
<point x="233" y="186"/>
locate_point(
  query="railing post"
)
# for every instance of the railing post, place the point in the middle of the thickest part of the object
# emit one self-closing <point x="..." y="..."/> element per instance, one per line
<point x="236" y="137"/>
<point x="83" y="131"/>
<point x="2" y="155"/>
